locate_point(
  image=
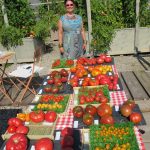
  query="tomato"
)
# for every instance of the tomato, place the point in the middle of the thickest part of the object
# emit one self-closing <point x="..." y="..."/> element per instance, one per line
<point x="108" y="59"/>
<point x="126" y="110"/>
<point x="55" y="89"/>
<point x="99" y="60"/>
<point x="110" y="86"/>
<point x="104" y="81"/>
<point x="67" y="132"/>
<point x="88" y="119"/>
<point x="37" y="116"/>
<point x="73" y="69"/>
<point x="64" y="79"/>
<point x="22" y="129"/>
<point x="50" y="116"/>
<point x="78" y="111"/>
<point x="103" y="56"/>
<point x="74" y="83"/>
<point x="107" y="119"/>
<point x="135" y="117"/>
<point x="63" y="72"/>
<point x="11" y="129"/>
<point x="91" y="110"/>
<point x="47" y="89"/>
<point x="44" y="144"/>
<point x="103" y="99"/>
<point x="104" y="109"/>
<point x="67" y="141"/>
<point x="93" y="82"/>
<point x="15" y="122"/>
<point x="131" y="103"/>
<point x="95" y="72"/>
<point x="17" y="141"/>
<point x="82" y="99"/>
<point x="50" y="81"/>
<point x="99" y="94"/>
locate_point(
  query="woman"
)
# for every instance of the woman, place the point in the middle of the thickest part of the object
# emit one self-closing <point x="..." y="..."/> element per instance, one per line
<point x="71" y="35"/>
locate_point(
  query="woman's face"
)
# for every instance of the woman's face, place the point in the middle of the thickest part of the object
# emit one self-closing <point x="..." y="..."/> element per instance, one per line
<point x="69" y="6"/>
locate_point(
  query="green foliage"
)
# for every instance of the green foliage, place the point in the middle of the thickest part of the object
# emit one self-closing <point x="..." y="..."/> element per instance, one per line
<point x="20" y="15"/>
<point x="144" y="13"/>
<point x="11" y="37"/>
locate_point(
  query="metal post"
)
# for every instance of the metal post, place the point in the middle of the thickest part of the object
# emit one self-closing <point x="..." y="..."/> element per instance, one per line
<point x="5" y="14"/>
<point x="136" y="41"/>
<point x="88" y="5"/>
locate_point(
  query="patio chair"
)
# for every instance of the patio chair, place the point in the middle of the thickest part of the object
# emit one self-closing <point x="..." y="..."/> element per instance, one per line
<point x="24" y="75"/>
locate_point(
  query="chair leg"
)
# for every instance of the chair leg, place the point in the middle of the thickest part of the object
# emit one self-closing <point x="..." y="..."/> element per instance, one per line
<point x="4" y="92"/>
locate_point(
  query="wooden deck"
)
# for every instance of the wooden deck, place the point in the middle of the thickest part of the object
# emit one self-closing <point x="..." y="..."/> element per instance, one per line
<point x="136" y="84"/>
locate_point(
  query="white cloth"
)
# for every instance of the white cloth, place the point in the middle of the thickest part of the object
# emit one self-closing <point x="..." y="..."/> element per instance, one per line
<point x="24" y="71"/>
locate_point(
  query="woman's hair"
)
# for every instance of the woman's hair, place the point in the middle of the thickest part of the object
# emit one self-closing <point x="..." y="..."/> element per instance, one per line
<point x="69" y="0"/>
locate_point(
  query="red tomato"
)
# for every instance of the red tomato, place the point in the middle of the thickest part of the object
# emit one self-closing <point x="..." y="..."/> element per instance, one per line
<point x="88" y="119"/>
<point x="50" y="81"/>
<point x="131" y="103"/>
<point x="108" y="59"/>
<point x="135" y="117"/>
<point x="11" y="129"/>
<point x="78" y="111"/>
<point x="67" y="141"/>
<point x="67" y="131"/>
<point x="50" y="116"/>
<point x="64" y="73"/>
<point x="104" y="109"/>
<point x="104" y="81"/>
<point x="103" y="99"/>
<point x="55" y="89"/>
<point x="17" y="141"/>
<point x="48" y="89"/>
<point x="93" y="82"/>
<point x="99" y="60"/>
<point x="15" y="122"/>
<point x="44" y="144"/>
<point x="99" y="94"/>
<point x="91" y="110"/>
<point x="22" y="129"/>
<point x="37" y="116"/>
<point x="107" y="119"/>
<point x="64" y="79"/>
<point x="125" y="110"/>
<point x="82" y="99"/>
<point x="103" y="56"/>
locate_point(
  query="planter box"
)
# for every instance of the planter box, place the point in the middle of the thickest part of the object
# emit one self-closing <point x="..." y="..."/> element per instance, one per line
<point x="25" y="52"/>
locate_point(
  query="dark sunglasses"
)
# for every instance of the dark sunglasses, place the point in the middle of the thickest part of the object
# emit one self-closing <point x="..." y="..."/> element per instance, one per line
<point x="69" y="5"/>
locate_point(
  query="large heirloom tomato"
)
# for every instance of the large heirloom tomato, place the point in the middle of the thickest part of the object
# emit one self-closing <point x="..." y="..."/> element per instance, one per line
<point x="107" y="119"/>
<point x="17" y="141"/>
<point x="78" y="111"/>
<point x="37" y="116"/>
<point x="136" y="117"/>
<point x="50" y="116"/>
<point x="15" y="122"/>
<point x="126" y="110"/>
<point x="91" y="109"/>
<point x="88" y="119"/>
<point x="44" y="144"/>
<point x="104" y="109"/>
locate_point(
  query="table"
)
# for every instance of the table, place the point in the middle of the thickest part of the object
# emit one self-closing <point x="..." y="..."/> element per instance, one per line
<point x="4" y="57"/>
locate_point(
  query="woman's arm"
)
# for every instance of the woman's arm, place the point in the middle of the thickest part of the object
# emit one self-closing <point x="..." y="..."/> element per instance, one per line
<point x="83" y="37"/>
<point x="60" y="36"/>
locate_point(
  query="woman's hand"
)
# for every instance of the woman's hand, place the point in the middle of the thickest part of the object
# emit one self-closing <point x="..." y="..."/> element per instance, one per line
<point x="84" y="46"/>
<point x="61" y="50"/>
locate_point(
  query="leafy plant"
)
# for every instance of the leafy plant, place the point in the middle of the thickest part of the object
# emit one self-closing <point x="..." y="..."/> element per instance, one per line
<point x="11" y="37"/>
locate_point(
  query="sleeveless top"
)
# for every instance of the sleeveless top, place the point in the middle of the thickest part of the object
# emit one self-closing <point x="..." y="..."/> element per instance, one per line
<point x="72" y="39"/>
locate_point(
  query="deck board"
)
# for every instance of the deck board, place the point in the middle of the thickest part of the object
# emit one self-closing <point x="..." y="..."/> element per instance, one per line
<point x="134" y="86"/>
<point x="144" y="79"/>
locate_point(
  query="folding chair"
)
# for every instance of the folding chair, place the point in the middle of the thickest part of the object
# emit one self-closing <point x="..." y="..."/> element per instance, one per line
<point x="25" y="79"/>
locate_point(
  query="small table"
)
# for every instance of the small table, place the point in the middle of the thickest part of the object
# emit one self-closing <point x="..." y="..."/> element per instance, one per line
<point x="4" y="57"/>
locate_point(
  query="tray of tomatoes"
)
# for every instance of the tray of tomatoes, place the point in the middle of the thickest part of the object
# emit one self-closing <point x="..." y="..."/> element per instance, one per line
<point x="85" y="116"/>
<point x="91" y="95"/>
<point x="56" y="82"/>
<point x="62" y="63"/>
<point x="53" y="102"/>
<point x="118" y="136"/>
<point x="102" y="59"/>
<point x="93" y="76"/>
